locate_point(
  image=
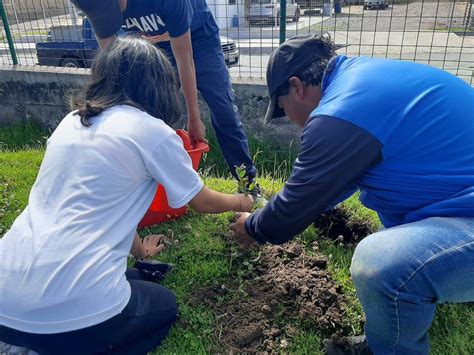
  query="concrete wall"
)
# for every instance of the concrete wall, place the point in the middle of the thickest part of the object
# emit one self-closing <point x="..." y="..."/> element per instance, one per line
<point x="42" y="94"/>
<point x="39" y="94"/>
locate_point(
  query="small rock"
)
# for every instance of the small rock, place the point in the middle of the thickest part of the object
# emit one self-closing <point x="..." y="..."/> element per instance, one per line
<point x="268" y="344"/>
<point x="294" y="250"/>
<point x="274" y="332"/>
<point x="279" y="250"/>
<point x="304" y="290"/>
<point x="319" y="262"/>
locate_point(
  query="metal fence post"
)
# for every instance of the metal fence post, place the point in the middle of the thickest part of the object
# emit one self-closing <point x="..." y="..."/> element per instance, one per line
<point x="3" y="14"/>
<point x="282" y="21"/>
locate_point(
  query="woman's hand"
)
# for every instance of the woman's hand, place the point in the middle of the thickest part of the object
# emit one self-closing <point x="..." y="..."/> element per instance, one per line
<point x="147" y="247"/>
<point x="210" y="201"/>
<point x="246" y="203"/>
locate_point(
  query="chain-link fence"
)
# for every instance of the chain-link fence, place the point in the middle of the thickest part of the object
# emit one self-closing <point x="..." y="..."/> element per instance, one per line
<point x="438" y="33"/>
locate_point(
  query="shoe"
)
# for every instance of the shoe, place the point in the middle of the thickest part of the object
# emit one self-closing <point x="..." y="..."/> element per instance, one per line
<point x="7" y="349"/>
<point x="152" y="270"/>
<point x="353" y="345"/>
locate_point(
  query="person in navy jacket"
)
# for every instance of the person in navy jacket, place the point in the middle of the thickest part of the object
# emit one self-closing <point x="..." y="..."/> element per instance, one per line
<point x="187" y="31"/>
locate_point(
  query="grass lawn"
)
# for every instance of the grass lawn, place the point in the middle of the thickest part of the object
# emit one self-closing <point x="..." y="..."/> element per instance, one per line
<point x="203" y="257"/>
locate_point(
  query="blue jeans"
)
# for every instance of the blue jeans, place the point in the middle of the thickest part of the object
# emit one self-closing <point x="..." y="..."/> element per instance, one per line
<point x="401" y="273"/>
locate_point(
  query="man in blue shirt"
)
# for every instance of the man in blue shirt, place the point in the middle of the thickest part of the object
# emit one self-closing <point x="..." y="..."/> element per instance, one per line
<point x="187" y="31"/>
<point x="401" y="133"/>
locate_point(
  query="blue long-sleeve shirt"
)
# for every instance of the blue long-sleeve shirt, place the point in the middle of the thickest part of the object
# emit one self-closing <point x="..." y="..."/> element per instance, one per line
<point x="332" y="156"/>
<point x="400" y="132"/>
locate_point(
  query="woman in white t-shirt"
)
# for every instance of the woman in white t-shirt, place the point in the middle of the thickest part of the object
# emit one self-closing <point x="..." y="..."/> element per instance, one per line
<point x="63" y="265"/>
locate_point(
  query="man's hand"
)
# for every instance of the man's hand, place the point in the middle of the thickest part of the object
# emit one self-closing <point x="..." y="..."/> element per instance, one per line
<point x="183" y="52"/>
<point x="196" y="130"/>
<point x="240" y="233"/>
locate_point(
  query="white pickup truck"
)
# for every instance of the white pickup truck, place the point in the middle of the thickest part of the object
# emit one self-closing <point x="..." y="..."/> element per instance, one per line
<point x="268" y="11"/>
<point x="379" y="4"/>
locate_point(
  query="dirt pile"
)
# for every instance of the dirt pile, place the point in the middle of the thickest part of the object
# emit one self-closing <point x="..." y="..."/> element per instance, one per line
<point x="283" y="284"/>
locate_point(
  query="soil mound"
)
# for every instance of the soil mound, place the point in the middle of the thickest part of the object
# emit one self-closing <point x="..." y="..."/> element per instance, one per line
<point x="283" y="284"/>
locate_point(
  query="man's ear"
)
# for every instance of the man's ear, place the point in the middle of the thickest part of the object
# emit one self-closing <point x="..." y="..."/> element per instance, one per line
<point x="297" y="87"/>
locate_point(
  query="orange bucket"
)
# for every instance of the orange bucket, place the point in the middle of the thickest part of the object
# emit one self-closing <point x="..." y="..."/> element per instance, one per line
<point x="159" y="210"/>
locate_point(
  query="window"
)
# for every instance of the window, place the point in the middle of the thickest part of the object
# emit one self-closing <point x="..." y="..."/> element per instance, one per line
<point x="232" y="2"/>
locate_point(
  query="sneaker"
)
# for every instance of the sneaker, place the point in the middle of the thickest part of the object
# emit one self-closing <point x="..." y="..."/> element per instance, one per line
<point x="152" y="270"/>
<point x="353" y="345"/>
<point x="7" y="349"/>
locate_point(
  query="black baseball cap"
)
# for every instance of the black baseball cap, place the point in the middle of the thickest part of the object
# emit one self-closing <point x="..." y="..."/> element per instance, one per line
<point x="291" y="57"/>
<point x="104" y="15"/>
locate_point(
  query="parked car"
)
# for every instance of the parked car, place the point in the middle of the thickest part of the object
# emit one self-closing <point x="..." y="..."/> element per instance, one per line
<point x="72" y="47"/>
<point x="268" y="11"/>
<point x="230" y="50"/>
<point x="379" y="4"/>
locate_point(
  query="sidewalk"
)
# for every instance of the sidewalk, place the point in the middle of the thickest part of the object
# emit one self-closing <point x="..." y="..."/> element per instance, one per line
<point x="42" y="24"/>
<point x="378" y="43"/>
<point x="20" y="48"/>
<point x="268" y="31"/>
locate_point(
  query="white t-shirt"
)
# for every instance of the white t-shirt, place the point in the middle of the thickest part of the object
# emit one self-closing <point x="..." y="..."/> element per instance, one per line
<point x="63" y="262"/>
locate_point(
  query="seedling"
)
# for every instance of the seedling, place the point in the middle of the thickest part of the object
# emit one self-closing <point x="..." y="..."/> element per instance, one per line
<point x="244" y="185"/>
<point x="249" y="187"/>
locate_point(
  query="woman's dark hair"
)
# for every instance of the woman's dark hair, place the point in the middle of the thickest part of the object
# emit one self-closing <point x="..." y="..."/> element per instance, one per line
<point x="130" y="71"/>
<point x="313" y="73"/>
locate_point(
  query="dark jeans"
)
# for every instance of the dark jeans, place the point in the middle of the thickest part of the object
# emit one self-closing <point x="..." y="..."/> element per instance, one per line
<point x="138" y="329"/>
